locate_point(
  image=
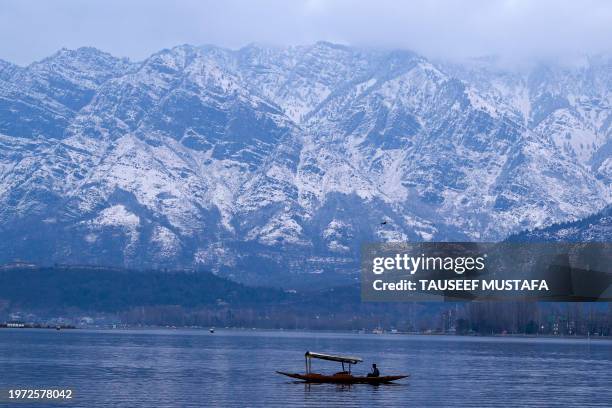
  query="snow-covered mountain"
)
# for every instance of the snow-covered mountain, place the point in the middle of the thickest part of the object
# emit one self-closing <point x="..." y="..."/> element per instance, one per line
<point x="594" y="228"/>
<point x="267" y="160"/>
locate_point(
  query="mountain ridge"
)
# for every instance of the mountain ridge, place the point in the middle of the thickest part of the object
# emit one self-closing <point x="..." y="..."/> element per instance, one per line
<point x="286" y="158"/>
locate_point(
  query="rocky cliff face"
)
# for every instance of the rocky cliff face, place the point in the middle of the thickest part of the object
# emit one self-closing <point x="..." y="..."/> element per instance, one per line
<point x="287" y="159"/>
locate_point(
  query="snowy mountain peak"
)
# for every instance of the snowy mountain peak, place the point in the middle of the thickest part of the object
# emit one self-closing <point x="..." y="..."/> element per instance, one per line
<point x="287" y="158"/>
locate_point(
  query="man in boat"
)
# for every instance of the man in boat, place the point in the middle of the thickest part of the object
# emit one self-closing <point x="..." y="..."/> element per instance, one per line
<point x="375" y="372"/>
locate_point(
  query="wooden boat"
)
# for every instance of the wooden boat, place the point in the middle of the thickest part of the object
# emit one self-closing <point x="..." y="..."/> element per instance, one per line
<point x="342" y="377"/>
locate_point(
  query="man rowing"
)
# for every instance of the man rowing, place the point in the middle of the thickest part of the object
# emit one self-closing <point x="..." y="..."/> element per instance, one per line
<point x="375" y="372"/>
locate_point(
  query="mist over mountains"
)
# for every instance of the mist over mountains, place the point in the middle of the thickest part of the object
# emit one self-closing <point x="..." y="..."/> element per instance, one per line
<point x="264" y="162"/>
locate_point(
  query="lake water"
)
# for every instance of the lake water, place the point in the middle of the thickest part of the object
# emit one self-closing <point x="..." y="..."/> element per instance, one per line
<point x="146" y="368"/>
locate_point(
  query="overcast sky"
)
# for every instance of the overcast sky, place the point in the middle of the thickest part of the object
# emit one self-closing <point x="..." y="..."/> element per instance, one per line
<point x="517" y="29"/>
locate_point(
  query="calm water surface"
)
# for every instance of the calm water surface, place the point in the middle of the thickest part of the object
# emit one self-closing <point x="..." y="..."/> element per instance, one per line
<point x="190" y="368"/>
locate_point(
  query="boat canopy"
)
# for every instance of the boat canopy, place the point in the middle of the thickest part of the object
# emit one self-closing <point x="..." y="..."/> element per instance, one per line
<point x="330" y="357"/>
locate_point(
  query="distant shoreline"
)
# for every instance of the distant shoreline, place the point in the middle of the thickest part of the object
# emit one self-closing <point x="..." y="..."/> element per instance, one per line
<point x="370" y="334"/>
<point x="37" y="326"/>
